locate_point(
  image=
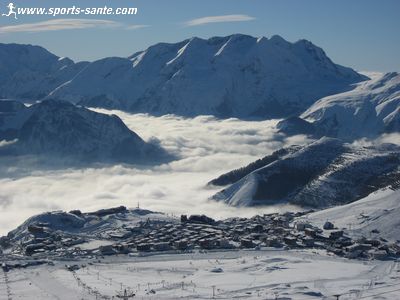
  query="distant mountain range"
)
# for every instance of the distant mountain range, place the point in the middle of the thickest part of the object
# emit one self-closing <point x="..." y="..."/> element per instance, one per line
<point x="324" y="173"/>
<point x="237" y="75"/>
<point x="63" y="130"/>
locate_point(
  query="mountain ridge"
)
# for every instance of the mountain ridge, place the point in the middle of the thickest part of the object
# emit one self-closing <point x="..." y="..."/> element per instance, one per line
<point x="371" y="109"/>
<point x="232" y="76"/>
<point x="31" y="72"/>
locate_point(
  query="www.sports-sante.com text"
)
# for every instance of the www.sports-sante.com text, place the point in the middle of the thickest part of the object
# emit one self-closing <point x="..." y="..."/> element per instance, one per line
<point x="74" y="10"/>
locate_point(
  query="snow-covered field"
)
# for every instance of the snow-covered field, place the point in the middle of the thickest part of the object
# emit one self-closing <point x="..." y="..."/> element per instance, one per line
<point x="226" y="275"/>
<point x="206" y="147"/>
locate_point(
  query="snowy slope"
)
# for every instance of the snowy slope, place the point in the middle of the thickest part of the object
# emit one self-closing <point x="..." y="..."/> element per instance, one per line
<point x="63" y="129"/>
<point x="245" y="275"/>
<point x="368" y="110"/>
<point x="31" y="72"/>
<point x="324" y="173"/>
<point x="236" y="75"/>
<point x="378" y="211"/>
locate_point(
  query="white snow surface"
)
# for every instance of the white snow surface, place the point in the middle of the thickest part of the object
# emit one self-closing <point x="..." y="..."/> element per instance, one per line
<point x="302" y="275"/>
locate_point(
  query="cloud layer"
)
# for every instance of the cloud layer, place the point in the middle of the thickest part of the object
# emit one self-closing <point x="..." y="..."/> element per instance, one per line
<point x="219" y="19"/>
<point x="135" y="27"/>
<point x="69" y="24"/>
<point x="66" y="24"/>
<point x="206" y="148"/>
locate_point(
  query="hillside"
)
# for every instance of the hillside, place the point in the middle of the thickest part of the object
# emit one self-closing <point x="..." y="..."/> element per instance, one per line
<point x="324" y="173"/>
<point x="63" y="130"/>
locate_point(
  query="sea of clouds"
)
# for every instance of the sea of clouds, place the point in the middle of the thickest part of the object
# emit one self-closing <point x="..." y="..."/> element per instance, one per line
<point x="205" y="146"/>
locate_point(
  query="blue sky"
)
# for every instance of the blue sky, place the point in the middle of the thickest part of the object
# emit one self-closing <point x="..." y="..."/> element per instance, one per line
<point x="363" y="34"/>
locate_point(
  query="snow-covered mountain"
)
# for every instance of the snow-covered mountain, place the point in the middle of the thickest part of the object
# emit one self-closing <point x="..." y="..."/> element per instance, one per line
<point x="370" y="109"/>
<point x="62" y="129"/>
<point x="236" y="75"/>
<point x="324" y="173"/>
<point x="31" y="72"/>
